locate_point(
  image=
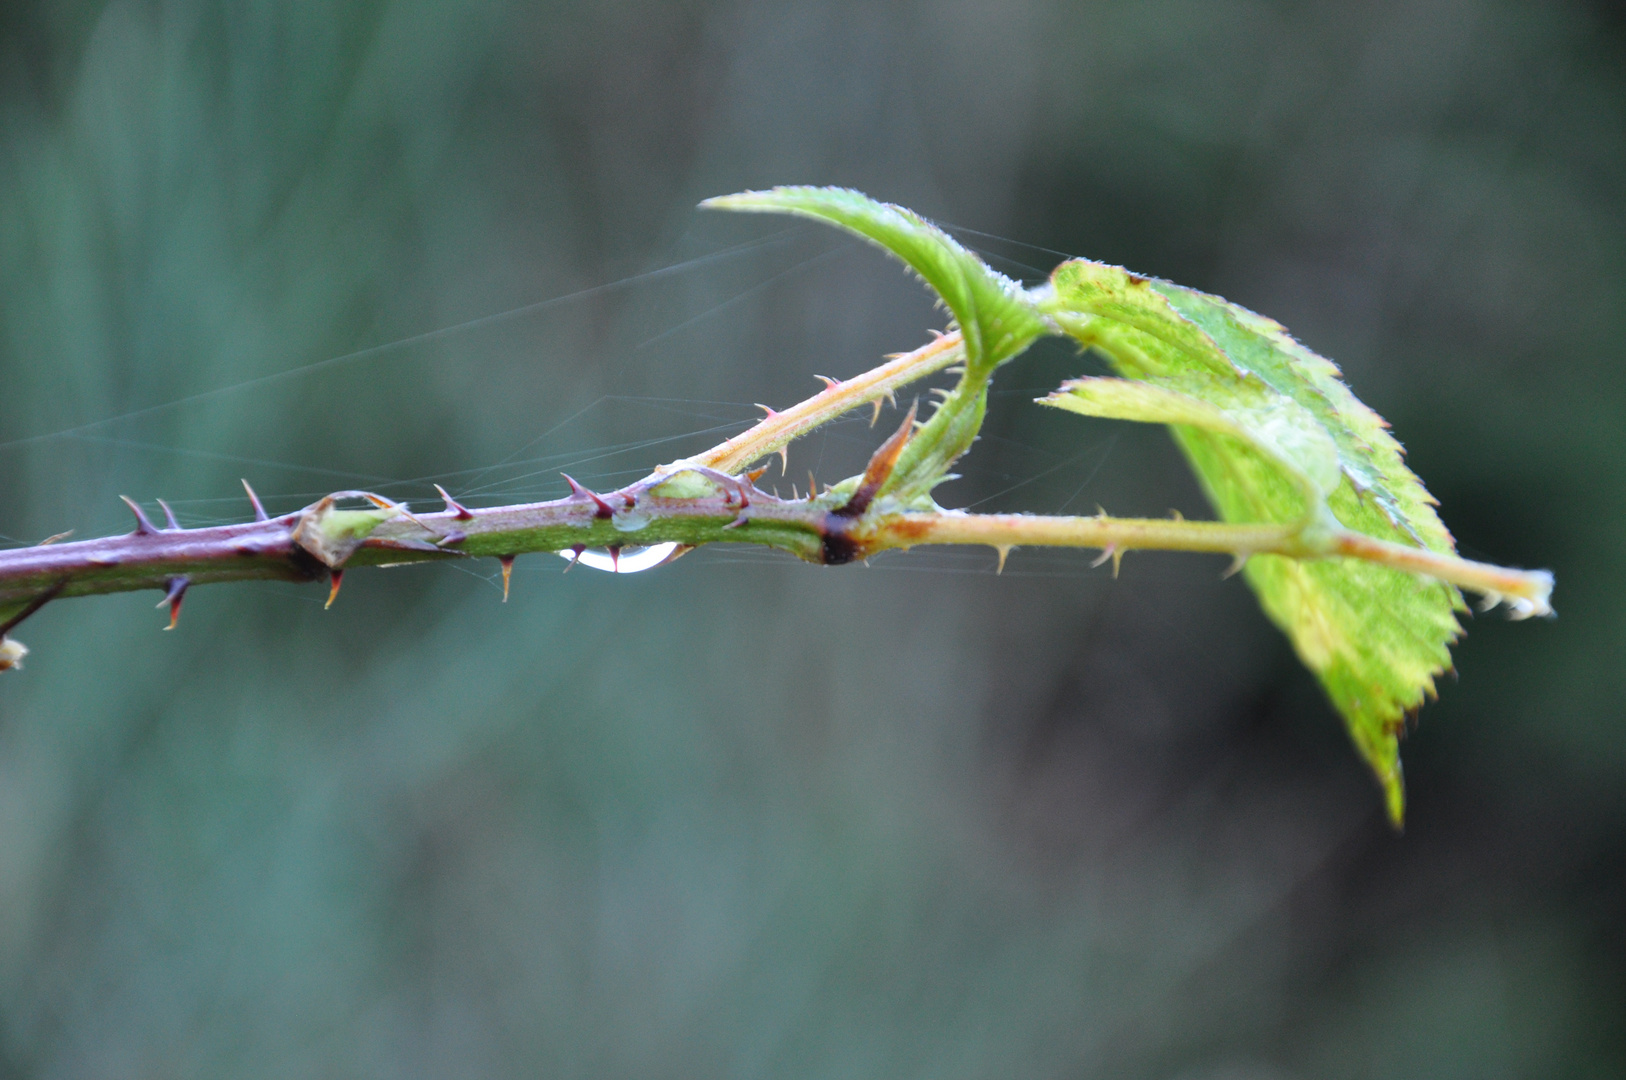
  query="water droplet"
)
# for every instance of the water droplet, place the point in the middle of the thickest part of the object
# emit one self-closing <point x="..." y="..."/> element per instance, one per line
<point x="630" y="560"/>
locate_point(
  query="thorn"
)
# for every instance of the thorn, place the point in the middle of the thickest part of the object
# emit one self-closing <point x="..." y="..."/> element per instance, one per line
<point x="615" y="558"/>
<point x="143" y="526"/>
<point x="173" y="597"/>
<point x="942" y="392"/>
<point x="399" y="507"/>
<point x="812" y="485"/>
<point x="604" y="509"/>
<point x="577" y="553"/>
<point x="1117" y="562"/>
<point x="457" y="509"/>
<point x="508" y="572"/>
<point x="772" y="412"/>
<point x="784" y="459"/>
<point x="254" y="500"/>
<point x="1100" y="511"/>
<point x="892" y="396"/>
<point x="1176" y="515"/>
<point x="1238" y="561"/>
<point x="829" y="383"/>
<point x="1109" y="552"/>
<point x="1004" y="550"/>
<point x="456" y="536"/>
<point x="53" y="539"/>
<point x="880" y="466"/>
<point x="936" y="334"/>
<point x="333" y="593"/>
<point x="795" y="496"/>
<point x="755" y="474"/>
<point x="169" y="515"/>
<point x="876" y="415"/>
<point x="740" y="519"/>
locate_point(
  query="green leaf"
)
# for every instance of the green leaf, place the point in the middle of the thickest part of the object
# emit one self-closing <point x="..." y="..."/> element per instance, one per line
<point x="1266" y="422"/>
<point x="1274" y="436"/>
<point x="996" y="316"/>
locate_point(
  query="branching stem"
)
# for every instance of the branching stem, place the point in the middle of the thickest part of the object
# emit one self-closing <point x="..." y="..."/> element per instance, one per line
<point x="695" y="501"/>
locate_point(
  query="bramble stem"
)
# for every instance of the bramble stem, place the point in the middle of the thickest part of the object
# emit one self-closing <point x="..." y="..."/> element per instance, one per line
<point x="696" y="501"/>
<point x="780" y="429"/>
<point x="1527" y="592"/>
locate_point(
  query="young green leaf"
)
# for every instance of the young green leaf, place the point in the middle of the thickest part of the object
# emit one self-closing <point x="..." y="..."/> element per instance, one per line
<point x="995" y="314"/>
<point x="1274" y="436"/>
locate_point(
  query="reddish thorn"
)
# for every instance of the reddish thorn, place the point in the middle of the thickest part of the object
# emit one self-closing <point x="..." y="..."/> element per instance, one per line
<point x="615" y="559"/>
<point x="829" y="383"/>
<point x="456" y="536"/>
<point x="755" y="474"/>
<point x="173" y="597"/>
<point x="772" y="412"/>
<point x="458" y="510"/>
<point x="143" y="526"/>
<point x="169" y="515"/>
<point x="604" y="509"/>
<point x="507" y="573"/>
<point x="631" y="500"/>
<point x="259" y="511"/>
<point x="333" y="593"/>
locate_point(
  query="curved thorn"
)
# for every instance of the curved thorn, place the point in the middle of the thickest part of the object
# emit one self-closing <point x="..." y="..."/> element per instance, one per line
<point x="1106" y="553"/>
<point x="1004" y="550"/>
<point x="829" y="383"/>
<point x="457" y="509"/>
<point x="876" y="415"/>
<point x="259" y="509"/>
<point x="456" y="536"/>
<point x="770" y="410"/>
<point x="53" y="539"/>
<point x="143" y="526"/>
<point x="169" y="515"/>
<point x="173" y="597"/>
<point x="1238" y="561"/>
<point x="784" y="459"/>
<point x="604" y="509"/>
<point x="333" y="593"/>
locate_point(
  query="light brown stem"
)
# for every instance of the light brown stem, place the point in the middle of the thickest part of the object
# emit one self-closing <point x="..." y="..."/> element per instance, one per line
<point x="779" y="429"/>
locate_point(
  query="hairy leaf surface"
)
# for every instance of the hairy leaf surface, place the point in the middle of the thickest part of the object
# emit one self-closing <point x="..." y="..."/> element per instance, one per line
<point x="994" y="313"/>
<point x="1275" y="436"/>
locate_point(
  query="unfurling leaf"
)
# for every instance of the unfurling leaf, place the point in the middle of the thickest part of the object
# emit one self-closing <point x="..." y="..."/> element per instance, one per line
<point x="994" y="313"/>
<point x="1274" y="436"/>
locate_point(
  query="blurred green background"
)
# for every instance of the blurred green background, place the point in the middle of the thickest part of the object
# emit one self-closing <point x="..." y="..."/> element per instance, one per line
<point x="742" y="816"/>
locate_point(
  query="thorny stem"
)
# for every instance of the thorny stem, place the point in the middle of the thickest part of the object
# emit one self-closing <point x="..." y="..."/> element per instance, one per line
<point x="699" y="500"/>
<point x="781" y="428"/>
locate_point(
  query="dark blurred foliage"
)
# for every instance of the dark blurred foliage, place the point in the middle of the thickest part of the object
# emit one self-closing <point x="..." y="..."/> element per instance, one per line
<point x="743" y="816"/>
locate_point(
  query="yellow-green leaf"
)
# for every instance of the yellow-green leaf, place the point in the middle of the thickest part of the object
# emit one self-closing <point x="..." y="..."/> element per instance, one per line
<point x="1275" y="436"/>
